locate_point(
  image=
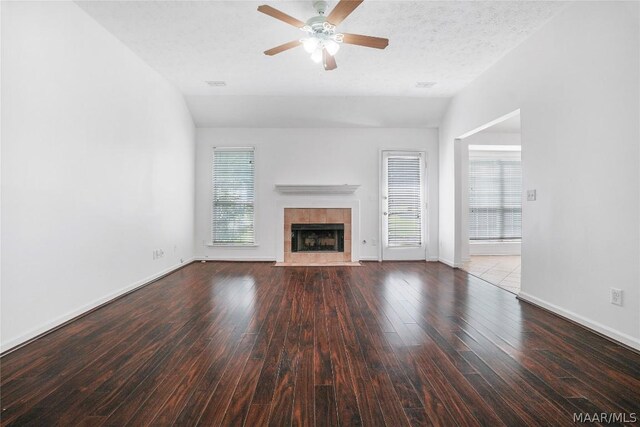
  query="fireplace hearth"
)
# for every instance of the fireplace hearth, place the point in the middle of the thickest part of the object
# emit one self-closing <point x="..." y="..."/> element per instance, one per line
<point x="317" y="237"/>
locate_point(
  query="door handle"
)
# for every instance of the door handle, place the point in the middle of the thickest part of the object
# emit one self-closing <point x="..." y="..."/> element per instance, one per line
<point x="384" y="213"/>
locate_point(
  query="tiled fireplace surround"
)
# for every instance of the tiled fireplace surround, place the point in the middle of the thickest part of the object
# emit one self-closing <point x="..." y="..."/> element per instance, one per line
<point x="317" y="216"/>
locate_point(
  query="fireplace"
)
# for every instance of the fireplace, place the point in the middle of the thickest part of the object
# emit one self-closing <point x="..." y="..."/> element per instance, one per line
<point x="317" y="237"/>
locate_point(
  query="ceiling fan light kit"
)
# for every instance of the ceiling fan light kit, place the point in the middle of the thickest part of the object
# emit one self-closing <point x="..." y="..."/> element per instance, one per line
<point x="322" y="35"/>
<point x="323" y="41"/>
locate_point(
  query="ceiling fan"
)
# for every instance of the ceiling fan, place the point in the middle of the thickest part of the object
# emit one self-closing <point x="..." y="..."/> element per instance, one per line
<point x="322" y="40"/>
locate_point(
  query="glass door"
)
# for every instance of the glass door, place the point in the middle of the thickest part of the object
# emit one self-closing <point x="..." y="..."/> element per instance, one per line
<point x="403" y="207"/>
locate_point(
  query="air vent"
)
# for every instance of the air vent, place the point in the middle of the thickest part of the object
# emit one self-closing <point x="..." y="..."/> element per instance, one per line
<point x="216" y="83"/>
<point x="425" y="85"/>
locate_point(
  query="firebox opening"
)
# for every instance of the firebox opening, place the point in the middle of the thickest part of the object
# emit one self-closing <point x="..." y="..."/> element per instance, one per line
<point x="317" y="237"/>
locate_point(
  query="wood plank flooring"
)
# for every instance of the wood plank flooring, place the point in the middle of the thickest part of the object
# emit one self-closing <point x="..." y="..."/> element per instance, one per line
<point x="395" y="343"/>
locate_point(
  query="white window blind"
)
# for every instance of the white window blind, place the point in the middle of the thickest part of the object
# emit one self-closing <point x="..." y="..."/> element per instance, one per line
<point x="233" y="196"/>
<point x="495" y="188"/>
<point x="404" y="203"/>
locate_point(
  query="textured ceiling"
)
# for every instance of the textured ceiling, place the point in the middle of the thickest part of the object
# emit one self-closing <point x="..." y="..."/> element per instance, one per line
<point x="450" y="43"/>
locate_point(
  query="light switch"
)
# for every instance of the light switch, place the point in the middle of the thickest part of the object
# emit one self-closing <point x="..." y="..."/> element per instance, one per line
<point x="531" y="195"/>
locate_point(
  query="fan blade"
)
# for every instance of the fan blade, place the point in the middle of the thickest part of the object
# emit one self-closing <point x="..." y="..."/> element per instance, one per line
<point x="328" y="60"/>
<point x="342" y="10"/>
<point x="275" y="13"/>
<point x="367" y="41"/>
<point x="282" y="48"/>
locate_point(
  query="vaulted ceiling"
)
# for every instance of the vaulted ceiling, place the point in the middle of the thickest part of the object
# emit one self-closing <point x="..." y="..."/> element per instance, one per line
<point x="449" y="43"/>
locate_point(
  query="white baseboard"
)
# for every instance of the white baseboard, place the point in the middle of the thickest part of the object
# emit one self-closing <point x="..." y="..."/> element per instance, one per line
<point x="49" y="326"/>
<point x="232" y="258"/>
<point x="375" y="258"/>
<point x="620" y="337"/>
<point x="450" y="263"/>
<point x="433" y="259"/>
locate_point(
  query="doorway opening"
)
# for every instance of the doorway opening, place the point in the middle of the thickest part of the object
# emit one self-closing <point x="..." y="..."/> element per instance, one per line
<point x="492" y="203"/>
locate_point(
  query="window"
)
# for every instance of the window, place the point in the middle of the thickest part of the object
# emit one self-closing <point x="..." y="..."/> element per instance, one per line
<point x="495" y="188"/>
<point x="404" y="199"/>
<point x="233" y="196"/>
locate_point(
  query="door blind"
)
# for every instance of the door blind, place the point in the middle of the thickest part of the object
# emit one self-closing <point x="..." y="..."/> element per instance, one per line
<point x="495" y="188"/>
<point x="233" y="196"/>
<point x="404" y="192"/>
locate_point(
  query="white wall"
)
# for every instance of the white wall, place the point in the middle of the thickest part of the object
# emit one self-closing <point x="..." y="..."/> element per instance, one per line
<point x="291" y="111"/>
<point x="97" y="168"/>
<point x="576" y="83"/>
<point x="310" y="156"/>
<point x="486" y="137"/>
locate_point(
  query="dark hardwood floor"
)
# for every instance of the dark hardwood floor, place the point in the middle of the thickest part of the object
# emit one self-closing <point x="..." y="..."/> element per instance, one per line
<point x="397" y="343"/>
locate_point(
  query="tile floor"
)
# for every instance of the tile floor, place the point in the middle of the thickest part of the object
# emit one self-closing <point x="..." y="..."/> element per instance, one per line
<point x="503" y="271"/>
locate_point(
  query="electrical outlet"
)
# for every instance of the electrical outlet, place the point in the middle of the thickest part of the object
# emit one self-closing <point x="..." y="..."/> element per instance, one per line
<point x="616" y="296"/>
<point x="374" y="242"/>
<point x="531" y="195"/>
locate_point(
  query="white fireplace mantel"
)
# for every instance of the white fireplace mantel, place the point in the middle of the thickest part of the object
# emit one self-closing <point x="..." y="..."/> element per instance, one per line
<point x="317" y="189"/>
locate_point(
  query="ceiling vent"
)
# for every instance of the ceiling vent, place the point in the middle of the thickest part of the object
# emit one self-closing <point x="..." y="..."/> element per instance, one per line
<point x="216" y="83"/>
<point x="425" y="85"/>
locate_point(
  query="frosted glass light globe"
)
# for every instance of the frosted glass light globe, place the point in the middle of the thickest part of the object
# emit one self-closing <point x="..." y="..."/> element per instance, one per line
<point x="310" y="44"/>
<point x="332" y="47"/>
<point x="316" y="56"/>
